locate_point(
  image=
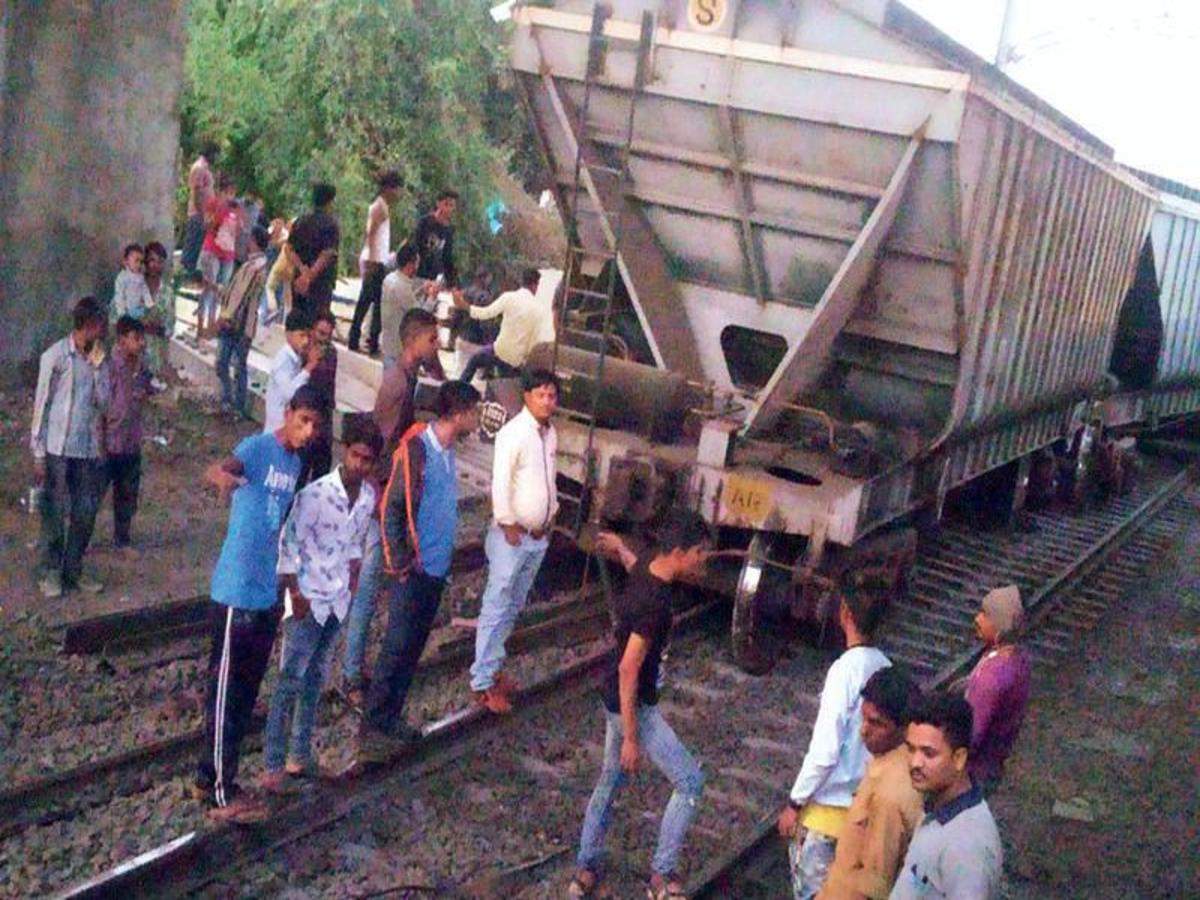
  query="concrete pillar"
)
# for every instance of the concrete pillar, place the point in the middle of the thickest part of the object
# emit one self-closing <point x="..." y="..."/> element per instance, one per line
<point x="89" y="137"/>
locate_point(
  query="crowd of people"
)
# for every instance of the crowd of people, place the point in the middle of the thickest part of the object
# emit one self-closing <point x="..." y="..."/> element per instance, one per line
<point x="890" y="799"/>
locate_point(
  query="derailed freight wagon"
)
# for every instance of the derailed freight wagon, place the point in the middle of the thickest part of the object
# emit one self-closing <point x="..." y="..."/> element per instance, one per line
<point x="847" y="267"/>
<point x="1156" y="353"/>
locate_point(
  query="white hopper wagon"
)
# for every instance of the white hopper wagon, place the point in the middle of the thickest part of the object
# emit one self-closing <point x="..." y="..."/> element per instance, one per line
<point x="853" y="267"/>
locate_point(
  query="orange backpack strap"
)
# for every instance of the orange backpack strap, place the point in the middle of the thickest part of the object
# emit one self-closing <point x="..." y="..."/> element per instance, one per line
<point x="402" y="460"/>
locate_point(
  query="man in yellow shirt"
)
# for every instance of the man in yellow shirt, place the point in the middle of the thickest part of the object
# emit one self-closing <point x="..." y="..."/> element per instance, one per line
<point x="528" y="320"/>
<point x="886" y="809"/>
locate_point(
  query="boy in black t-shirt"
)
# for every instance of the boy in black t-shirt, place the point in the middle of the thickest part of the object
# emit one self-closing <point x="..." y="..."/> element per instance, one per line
<point x="633" y="723"/>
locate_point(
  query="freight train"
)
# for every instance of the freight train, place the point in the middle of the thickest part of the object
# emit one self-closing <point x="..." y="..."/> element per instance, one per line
<point x="827" y="267"/>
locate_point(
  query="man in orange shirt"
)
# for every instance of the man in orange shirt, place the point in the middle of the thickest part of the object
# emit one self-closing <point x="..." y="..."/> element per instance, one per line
<point x="886" y="809"/>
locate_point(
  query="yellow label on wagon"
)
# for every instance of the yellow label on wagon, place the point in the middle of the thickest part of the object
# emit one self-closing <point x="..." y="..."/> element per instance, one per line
<point x="745" y="501"/>
<point x="707" y="15"/>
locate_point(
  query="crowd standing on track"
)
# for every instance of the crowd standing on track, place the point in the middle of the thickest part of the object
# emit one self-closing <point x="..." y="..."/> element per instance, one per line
<point x="524" y="504"/>
<point x="394" y="414"/>
<point x="889" y="799"/>
<point x="261" y="476"/>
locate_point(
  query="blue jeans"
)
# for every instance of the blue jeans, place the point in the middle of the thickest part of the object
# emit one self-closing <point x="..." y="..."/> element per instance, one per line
<point x="809" y="861"/>
<point x="233" y="349"/>
<point x="362" y="608"/>
<point x="193" y="239"/>
<point x="72" y="495"/>
<point x="412" y="605"/>
<point x="660" y="745"/>
<point x="511" y="571"/>
<point x="216" y="272"/>
<point x="303" y="665"/>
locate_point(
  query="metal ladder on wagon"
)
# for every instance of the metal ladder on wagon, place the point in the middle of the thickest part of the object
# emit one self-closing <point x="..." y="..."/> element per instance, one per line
<point x="590" y="301"/>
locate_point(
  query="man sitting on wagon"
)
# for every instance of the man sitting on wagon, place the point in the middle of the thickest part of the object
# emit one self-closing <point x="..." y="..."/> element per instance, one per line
<point x="527" y="321"/>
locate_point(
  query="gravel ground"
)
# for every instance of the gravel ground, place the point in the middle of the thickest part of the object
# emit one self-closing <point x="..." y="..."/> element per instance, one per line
<point x="49" y="857"/>
<point x="520" y="795"/>
<point x="178" y="531"/>
<point x="1117" y="727"/>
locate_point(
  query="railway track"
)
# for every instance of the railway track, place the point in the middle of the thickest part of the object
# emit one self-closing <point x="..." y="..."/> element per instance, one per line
<point x="60" y="808"/>
<point x="1071" y="569"/>
<point x="197" y="859"/>
<point x="43" y="800"/>
<point x="152" y="626"/>
<point x="469" y="784"/>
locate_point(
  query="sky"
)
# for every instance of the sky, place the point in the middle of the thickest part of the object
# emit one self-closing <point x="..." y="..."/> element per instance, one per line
<point x="1126" y="70"/>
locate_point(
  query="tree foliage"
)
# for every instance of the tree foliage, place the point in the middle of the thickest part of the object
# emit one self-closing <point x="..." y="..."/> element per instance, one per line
<point x="298" y="91"/>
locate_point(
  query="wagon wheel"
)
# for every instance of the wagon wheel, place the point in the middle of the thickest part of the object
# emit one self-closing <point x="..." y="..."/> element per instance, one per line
<point x="751" y="645"/>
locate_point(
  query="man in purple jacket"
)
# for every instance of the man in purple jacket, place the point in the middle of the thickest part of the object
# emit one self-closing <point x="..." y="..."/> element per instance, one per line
<point x="998" y="688"/>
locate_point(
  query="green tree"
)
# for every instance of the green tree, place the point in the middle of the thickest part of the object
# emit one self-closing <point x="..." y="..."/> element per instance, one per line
<point x="298" y="91"/>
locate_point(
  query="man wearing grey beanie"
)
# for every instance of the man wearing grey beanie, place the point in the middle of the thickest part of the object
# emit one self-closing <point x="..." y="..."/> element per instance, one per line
<point x="998" y="688"/>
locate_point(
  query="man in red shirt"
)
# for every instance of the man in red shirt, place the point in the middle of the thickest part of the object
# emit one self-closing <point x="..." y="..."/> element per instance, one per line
<point x="200" y="191"/>
<point x="222" y="224"/>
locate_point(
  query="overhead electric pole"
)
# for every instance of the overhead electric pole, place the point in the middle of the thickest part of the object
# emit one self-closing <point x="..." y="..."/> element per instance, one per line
<point x="1004" y="49"/>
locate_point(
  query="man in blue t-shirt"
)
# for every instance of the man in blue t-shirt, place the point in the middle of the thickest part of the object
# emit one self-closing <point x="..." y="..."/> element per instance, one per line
<point x="261" y="475"/>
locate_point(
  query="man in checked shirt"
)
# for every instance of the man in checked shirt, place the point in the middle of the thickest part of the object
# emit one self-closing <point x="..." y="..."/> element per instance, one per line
<point x="319" y="558"/>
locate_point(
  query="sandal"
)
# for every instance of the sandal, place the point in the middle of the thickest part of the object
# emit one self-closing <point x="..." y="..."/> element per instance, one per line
<point x="581" y="889"/>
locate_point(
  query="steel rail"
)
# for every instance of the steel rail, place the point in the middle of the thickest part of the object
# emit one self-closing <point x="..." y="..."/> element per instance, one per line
<point x="160" y="623"/>
<point x="569" y="623"/>
<point x="713" y="878"/>
<point x="194" y="860"/>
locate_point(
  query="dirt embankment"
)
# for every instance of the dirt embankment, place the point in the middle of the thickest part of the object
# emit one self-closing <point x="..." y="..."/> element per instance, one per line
<point x="1114" y="738"/>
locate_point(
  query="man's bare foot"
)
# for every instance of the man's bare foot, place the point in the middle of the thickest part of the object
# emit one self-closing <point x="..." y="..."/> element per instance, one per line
<point x="507" y="685"/>
<point x="494" y="701"/>
<point x="276" y="782"/>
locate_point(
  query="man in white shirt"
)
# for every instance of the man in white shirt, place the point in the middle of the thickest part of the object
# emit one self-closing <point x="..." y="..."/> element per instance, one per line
<point x="291" y="367"/>
<point x="377" y="244"/>
<point x="836" y="757"/>
<point x="320" y="552"/>
<point x="524" y="502"/>
<point x="527" y="321"/>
